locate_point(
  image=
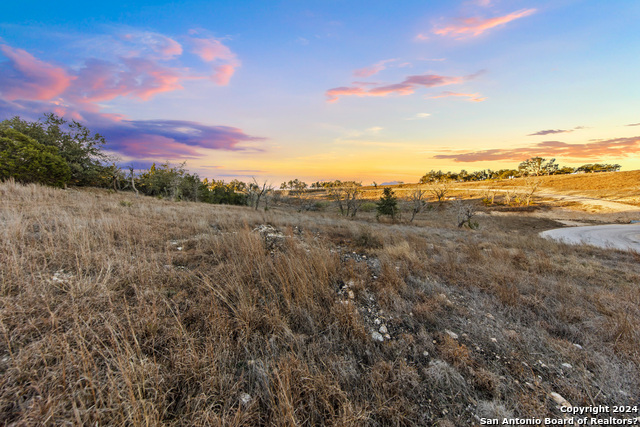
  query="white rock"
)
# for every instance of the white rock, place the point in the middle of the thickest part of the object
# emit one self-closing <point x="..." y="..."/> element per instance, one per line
<point x="566" y="366"/>
<point x="578" y="346"/>
<point x="376" y="336"/>
<point x="245" y="398"/>
<point x="425" y="353"/>
<point x="383" y="329"/>
<point x="494" y="340"/>
<point x="387" y="336"/>
<point x="560" y="400"/>
<point x="451" y="334"/>
<point x="351" y="294"/>
<point x="377" y="321"/>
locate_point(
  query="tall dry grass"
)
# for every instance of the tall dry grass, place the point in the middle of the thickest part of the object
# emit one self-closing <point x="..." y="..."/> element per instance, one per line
<point x="117" y="310"/>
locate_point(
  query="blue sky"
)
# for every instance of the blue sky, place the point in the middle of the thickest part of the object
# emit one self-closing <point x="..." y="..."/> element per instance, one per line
<point x="333" y="89"/>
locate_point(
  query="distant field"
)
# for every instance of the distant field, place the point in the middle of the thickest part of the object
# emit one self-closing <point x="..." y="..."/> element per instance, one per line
<point x="622" y="187"/>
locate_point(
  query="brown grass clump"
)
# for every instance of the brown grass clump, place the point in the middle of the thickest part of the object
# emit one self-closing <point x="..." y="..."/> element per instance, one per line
<point x="124" y="310"/>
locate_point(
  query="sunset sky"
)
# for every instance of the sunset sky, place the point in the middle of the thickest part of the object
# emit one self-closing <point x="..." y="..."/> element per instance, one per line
<point x="367" y="90"/>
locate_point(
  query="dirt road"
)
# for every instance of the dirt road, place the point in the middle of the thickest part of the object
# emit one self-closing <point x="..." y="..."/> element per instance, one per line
<point x="617" y="236"/>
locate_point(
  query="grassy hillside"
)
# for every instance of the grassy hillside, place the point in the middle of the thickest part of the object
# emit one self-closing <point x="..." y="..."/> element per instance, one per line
<point x="117" y="310"/>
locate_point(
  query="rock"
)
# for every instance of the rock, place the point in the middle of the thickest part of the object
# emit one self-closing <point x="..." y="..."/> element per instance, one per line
<point x="376" y="336"/>
<point x="490" y="316"/>
<point x="494" y="340"/>
<point x="245" y="399"/>
<point x="351" y="294"/>
<point x="566" y="366"/>
<point x="387" y="336"/>
<point x="578" y="346"/>
<point x="383" y="329"/>
<point x="451" y="334"/>
<point x="560" y="400"/>
<point x="377" y="321"/>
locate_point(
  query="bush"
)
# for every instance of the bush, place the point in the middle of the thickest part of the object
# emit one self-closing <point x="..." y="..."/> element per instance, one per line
<point x="29" y="161"/>
<point x="368" y="207"/>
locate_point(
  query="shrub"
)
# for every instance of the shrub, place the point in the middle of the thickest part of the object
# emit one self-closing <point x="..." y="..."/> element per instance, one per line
<point x="368" y="207"/>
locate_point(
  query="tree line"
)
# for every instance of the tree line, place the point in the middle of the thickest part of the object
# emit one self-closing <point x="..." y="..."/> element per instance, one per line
<point x="534" y="166"/>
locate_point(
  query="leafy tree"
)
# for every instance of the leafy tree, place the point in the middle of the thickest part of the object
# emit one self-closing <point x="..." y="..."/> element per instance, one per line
<point x="81" y="149"/>
<point x="26" y="160"/>
<point x="538" y="166"/>
<point x="388" y="204"/>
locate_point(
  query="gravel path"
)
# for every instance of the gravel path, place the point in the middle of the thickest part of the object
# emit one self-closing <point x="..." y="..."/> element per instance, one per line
<point x="617" y="236"/>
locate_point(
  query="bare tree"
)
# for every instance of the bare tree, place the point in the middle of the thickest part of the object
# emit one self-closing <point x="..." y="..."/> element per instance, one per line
<point x="531" y="188"/>
<point x="489" y="195"/>
<point x="257" y="191"/>
<point x="133" y="182"/>
<point x="347" y="197"/>
<point x="418" y="203"/>
<point x="352" y="196"/>
<point x="440" y="189"/>
<point x="464" y="213"/>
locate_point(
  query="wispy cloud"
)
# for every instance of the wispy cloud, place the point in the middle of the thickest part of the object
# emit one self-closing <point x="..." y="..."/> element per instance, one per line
<point x="555" y="131"/>
<point x="373" y="69"/>
<point x="171" y="138"/>
<point x="634" y="124"/>
<point x="473" y="97"/>
<point x="475" y="26"/>
<point x="26" y="77"/>
<point x="611" y="148"/>
<point x="406" y="87"/>
<point x="550" y="132"/>
<point x="212" y="50"/>
<point x="419" y="116"/>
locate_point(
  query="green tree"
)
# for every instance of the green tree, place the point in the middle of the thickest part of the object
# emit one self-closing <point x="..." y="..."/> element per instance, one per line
<point x="26" y="160"/>
<point x="81" y="149"/>
<point x="388" y="204"/>
<point x="538" y="166"/>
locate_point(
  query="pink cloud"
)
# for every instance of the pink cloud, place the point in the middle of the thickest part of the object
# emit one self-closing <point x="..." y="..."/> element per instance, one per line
<point x="223" y="74"/>
<point x="100" y="81"/>
<point x="406" y="87"/>
<point x="156" y="147"/>
<point x="473" y="27"/>
<point x="26" y="77"/>
<point x="210" y="49"/>
<point x="598" y="150"/>
<point x="373" y="69"/>
<point x="473" y="97"/>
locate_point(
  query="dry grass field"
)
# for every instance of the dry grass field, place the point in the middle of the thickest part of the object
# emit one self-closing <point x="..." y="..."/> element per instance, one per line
<point x="124" y="310"/>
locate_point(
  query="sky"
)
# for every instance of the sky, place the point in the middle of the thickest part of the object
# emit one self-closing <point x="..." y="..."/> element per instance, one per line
<point x="321" y="90"/>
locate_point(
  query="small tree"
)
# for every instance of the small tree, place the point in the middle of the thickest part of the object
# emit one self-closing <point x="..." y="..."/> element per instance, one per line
<point x="464" y="213"/>
<point x="388" y="204"/>
<point x="440" y="189"/>
<point x="417" y="200"/>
